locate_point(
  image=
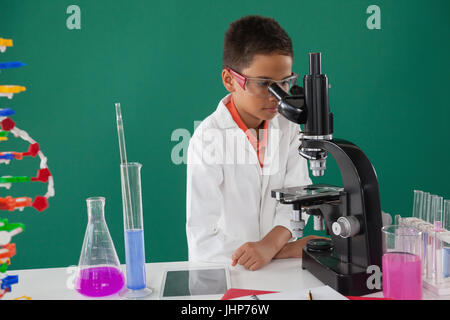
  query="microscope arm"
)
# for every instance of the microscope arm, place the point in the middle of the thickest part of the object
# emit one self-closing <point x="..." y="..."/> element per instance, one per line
<point x="361" y="185"/>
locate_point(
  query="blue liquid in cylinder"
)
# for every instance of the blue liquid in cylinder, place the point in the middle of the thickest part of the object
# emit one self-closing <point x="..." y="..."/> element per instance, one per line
<point x="135" y="258"/>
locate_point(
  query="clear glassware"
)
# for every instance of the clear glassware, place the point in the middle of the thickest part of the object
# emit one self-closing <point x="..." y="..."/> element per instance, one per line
<point x="416" y="212"/>
<point x="435" y="213"/>
<point x="132" y="219"/>
<point x="430" y="252"/>
<point x="417" y="206"/>
<point x="401" y="263"/>
<point x="446" y="215"/>
<point x="133" y="231"/>
<point x="398" y="219"/>
<point x="98" y="273"/>
<point x="437" y="276"/>
<point x="438" y="264"/>
<point x="445" y="238"/>
<point x="426" y="203"/>
<point x="424" y="247"/>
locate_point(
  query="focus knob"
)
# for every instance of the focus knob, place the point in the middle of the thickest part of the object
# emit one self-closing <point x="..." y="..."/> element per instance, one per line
<point x="346" y="226"/>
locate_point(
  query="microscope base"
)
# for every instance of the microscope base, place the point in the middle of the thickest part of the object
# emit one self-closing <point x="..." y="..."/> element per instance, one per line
<point x="346" y="278"/>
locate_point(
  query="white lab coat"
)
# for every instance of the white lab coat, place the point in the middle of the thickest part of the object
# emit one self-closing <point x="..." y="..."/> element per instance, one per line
<point x="228" y="200"/>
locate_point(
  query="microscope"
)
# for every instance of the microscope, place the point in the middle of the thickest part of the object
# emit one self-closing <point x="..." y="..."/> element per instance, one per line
<point x="350" y="214"/>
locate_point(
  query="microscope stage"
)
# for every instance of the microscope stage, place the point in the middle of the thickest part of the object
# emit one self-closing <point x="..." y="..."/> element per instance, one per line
<point x="311" y="193"/>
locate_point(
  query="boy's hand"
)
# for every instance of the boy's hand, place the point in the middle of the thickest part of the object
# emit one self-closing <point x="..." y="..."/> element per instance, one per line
<point x="254" y="255"/>
<point x="294" y="249"/>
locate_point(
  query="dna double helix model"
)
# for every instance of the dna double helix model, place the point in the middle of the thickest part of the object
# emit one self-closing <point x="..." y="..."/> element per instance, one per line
<point x="9" y="130"/>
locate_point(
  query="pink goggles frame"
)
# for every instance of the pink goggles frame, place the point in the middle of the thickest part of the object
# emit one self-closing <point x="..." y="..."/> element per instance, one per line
<point x="242" y="80"/>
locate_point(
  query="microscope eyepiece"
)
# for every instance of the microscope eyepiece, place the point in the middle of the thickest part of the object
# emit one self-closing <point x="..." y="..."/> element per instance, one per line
<point x="277" y="91"/>
<point x="291" y="107"/>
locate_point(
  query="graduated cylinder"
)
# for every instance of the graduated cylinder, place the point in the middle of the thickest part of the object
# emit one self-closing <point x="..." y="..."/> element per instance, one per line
<point x="133" y="225"/>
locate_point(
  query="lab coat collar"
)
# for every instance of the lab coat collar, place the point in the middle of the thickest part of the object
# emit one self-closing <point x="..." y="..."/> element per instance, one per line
<point x="224" y="115"/>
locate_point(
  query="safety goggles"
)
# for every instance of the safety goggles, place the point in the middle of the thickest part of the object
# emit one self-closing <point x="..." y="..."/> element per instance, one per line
<point x="260" y="86"/>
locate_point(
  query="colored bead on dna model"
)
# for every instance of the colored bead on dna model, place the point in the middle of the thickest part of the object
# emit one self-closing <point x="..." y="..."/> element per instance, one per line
<point x="5" y="43"/>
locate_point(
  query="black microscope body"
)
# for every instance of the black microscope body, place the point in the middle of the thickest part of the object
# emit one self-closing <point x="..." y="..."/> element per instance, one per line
<point x="351" y="214"/>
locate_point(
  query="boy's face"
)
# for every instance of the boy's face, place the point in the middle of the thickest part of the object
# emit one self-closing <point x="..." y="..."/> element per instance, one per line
<point x="257" y="108"/>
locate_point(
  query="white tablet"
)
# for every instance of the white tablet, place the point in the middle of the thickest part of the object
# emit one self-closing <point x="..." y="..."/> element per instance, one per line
<point x="195" y="283"/>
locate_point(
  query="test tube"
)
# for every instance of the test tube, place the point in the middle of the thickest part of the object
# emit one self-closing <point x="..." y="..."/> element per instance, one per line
<point x="425" y="248"/>
<point x="426" y="207"/>
<point x="418" y="194"/>
<point x="432" y="208"/>
<point x="430" y="266"/>
<point x="433" y="246"/>
<point x="437" y="212"/>
<point x="415" y="217"/>
<point x="445" y="238"/>
<point x="446" y="215"/>
<point x="438" y="244"/>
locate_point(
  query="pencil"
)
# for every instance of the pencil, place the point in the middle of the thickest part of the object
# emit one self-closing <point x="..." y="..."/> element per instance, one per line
<point x="310" y="295"/>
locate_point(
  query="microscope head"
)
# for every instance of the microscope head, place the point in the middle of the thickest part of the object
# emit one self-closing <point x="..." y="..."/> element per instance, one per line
<point x="309" y="106"/>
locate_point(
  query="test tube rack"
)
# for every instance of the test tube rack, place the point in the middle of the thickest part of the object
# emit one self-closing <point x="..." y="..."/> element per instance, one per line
<point x="432" y="221"/>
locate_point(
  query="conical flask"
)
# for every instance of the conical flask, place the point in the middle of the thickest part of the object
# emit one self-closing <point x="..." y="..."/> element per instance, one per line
<point x="99" y="271"/>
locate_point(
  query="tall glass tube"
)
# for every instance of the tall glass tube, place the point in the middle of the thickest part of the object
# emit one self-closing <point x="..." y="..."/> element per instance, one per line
<point x="417" y="209"/>
<point x="445" y="237"/>
<point x="134" y="230"/>
<point x="426" y="206"/>
<point x="446" y="215"/>
<point x="418" y="196"/>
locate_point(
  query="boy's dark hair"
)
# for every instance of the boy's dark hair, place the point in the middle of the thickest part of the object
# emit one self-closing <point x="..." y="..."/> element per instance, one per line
<point x="253" y="35"/>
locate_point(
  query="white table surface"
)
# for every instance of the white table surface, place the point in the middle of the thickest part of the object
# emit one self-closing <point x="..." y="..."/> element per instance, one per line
<point x="279" y="275"/>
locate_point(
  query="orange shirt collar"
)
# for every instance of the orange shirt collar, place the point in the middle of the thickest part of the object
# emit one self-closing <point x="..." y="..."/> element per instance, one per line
<point x="259" y="146"/>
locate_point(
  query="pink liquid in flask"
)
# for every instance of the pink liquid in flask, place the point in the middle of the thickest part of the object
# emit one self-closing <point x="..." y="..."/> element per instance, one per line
<point x="402" y="276"/>
<point x="99" y="281"/>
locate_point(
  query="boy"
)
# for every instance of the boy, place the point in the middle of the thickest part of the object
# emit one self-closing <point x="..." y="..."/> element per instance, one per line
<point x="230" y="214"/>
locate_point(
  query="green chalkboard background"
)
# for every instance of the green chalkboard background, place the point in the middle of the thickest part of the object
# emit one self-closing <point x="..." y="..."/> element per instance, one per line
<point x="162" y="60"/>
